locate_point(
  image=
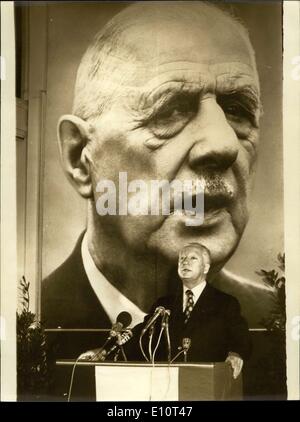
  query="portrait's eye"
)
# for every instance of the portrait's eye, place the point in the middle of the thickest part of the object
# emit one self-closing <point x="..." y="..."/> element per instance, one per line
<point x="172" y="117"/>
<point x="234" y="110"/>
<point x="240" y="113"/>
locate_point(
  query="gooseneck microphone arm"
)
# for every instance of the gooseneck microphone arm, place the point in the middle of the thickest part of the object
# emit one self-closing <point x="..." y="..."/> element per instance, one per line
<point x="158" y="311"/>
<point x="165" y="325"/>
<point x="186" y="344"/>
<point x="151" y="332"/>
<point x="164" y="328"/>
<point x="151" y="321"/>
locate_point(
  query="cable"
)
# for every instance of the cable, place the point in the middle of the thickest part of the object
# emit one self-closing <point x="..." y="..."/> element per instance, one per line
<point x="153" y="362"/>
<point x="72" y="377"/>
<point x="168" y="343"/>
<point x="142" y="349"/>
<point x="169" y="380"/>
<point x="176" y="356"/>
<point x="157" y="344"/>
<point x="167" y="332"/>
<point x="157" y="313"/>
<point x="150" y="343"/>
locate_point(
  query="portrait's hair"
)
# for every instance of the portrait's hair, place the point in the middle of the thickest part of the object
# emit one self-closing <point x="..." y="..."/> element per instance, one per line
<point x="94" y="87"/>
<point x="203" y="250"/>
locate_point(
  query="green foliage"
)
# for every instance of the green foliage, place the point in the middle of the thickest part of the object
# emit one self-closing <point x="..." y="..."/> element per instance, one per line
<point x="276" y="280"/>
<point x="33" y="367"/>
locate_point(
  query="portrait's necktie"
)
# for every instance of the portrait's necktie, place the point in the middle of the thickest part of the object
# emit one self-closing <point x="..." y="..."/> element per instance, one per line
<point x="189" y="305"/>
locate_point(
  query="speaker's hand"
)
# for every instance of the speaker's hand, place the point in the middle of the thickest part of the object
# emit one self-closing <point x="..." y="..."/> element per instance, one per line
<point x="236" y="363"/>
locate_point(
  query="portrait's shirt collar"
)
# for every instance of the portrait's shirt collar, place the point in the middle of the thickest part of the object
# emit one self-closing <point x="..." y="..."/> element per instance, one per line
<point x="112" y="300"/>
<point x="196" y="292"/>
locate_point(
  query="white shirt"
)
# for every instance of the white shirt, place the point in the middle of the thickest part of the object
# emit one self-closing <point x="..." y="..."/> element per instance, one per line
<point x="196" y="292"/>
<point x="112" y="300"/>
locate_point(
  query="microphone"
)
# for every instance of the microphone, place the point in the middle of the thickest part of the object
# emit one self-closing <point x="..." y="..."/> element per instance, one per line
<point x="123" y="320"/>
<point x="101" y="354"/>
<point x="158" y="311"/>
<point x="186" y="344"/>
<point x="121" y="339"/>
<point x="165" y="318"/>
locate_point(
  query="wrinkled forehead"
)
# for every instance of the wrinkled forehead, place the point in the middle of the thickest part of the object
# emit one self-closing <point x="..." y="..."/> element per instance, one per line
<point x="159" y="42"/>
<point x="153" y="48"/>
<point x="160" y="49"/>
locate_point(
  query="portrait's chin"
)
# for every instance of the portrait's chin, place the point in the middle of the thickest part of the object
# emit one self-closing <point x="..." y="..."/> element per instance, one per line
<point x="218" y="233"/>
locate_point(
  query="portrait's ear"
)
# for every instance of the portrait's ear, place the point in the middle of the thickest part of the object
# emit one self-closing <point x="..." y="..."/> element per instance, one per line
<point x="73" y="136"/>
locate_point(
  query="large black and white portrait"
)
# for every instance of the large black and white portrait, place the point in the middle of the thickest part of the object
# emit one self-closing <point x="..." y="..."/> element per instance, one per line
<point x="154" y="126"/>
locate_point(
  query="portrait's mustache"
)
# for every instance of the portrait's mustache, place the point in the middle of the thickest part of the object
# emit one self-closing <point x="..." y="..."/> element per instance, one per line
<point x="217" y="192"/>
<point x="216" y="185"/>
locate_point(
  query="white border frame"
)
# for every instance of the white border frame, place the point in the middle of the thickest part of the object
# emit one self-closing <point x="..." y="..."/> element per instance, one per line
<point x="291" y="161"/>
<point x="8" y="207"/>
<point x="291" y="137"/>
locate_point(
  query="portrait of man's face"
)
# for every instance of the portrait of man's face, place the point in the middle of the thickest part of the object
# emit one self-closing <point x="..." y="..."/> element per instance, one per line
<point x="185" y="108"/>
<point x="165" y="99"/>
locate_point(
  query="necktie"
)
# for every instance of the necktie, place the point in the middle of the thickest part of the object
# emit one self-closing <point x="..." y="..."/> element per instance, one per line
<point x="189" y="305"/>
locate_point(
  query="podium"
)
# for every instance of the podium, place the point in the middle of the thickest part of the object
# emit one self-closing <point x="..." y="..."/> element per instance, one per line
<point x="144" y="382"/>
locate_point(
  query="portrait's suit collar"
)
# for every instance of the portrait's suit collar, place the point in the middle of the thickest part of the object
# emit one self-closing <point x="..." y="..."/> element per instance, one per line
<point x="113" y="301"/>
<point x="87" y="304"/>
<point x="68" y="300"/>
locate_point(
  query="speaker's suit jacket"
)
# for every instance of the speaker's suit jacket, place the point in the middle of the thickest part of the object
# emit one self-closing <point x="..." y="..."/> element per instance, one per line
<point x="215" y="328"/>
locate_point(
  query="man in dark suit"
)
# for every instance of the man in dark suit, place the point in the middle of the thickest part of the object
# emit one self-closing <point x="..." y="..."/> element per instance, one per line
<point x="181" y="105"/>
<point x="208" y="318"/>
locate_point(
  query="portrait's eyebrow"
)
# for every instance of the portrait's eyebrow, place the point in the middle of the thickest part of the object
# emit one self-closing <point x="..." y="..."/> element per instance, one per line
<point x="247" y="93"/>
<point x="150" y="104"/>
<point x="242" y="86"/>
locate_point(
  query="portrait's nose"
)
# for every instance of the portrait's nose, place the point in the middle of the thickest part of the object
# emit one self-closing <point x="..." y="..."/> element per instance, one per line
<point x="216" y="144"/>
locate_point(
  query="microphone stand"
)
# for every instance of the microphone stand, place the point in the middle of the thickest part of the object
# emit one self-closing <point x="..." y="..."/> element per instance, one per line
<point x="167" y="334"/>
<point x="168" y="343"/>
<point x="123" y="353"/>
<point x="157" y="344"/>
<point x="116" y="355"/>
<point x="120" y="349"/>
<point x="177" y="356"/>
<point x="151" y="322"/>
<point x="186" y="344"/>
<point x="165" y="329"/>
<point x="151" y="332"/>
